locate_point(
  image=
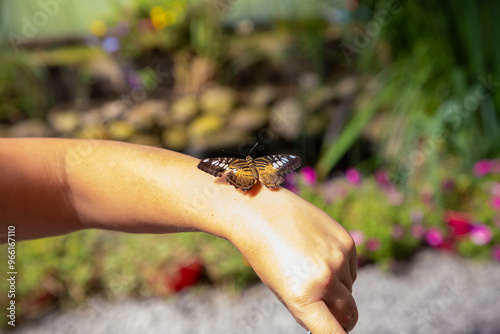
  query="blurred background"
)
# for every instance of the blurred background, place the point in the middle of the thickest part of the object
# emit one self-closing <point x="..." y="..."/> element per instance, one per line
<point x="393" y="106"/>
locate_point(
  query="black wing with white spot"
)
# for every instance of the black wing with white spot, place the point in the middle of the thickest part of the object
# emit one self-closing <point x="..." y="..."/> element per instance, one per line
<point x="217" y="166"/>
<point x="273" y="168"/>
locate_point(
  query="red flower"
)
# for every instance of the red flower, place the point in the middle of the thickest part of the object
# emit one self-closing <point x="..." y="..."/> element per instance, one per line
<point x="187" y="274"/>
<point x="459" y="222"/>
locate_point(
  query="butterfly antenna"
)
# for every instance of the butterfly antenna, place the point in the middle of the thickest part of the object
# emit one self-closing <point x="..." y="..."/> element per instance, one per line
<point x="257" y="143"/>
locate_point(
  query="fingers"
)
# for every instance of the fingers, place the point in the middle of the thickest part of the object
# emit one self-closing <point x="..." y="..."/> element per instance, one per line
<point x="318" y="319"/>
<point x="342" y="306"/>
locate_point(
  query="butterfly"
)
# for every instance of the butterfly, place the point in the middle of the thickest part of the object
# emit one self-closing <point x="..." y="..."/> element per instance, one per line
<point x="270" y="170"/>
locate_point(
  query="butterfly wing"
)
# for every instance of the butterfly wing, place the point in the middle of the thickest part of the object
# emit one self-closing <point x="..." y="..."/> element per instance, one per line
<point x="216" y="166"/>
<point x="240" y="175"/>
<point x="273" y="168"/>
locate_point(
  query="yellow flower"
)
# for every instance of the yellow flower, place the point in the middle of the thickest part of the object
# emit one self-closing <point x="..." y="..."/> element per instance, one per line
<point x="98" y="28"/>
<point x="161" y="18"/>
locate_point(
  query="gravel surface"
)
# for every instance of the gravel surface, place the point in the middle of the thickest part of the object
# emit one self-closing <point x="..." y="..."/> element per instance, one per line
<point x="434" y="293"/>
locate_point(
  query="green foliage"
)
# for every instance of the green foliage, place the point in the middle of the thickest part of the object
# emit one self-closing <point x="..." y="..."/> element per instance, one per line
<point x="75" y="267"/>
<point x="389" y="224"/>
<point x="22" y="89"/>
<point x="437" y="68"/>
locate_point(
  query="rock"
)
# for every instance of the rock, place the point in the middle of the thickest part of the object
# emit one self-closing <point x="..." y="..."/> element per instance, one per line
<point x="184" y="109"/>
<point x="308" y="80"/>
<point x="205" y="125"/>
<point x="175" y="138"/>
<point x="219" y="140"/>
<point x="113" y="110"/>
<point x="319" y="97"/>
<point x="143" y="116"/>
<point x="145" y="139"/>
<point x="121" y="130"/>
<point x="91" y="117"/>
<point x="163" y="118"/>
<point x="202" y="128"/>
<point x="286" y="118"/>
<point x="218" y="100"/>
<point x="92" y="132"/>
<point x="202" y="71"/>
<point x="262" y="96"/>
<point x="64" y="122"/>
<point x="248" y="118"/>
<point x="347" y="86"/>
<point x="30" y="128"/>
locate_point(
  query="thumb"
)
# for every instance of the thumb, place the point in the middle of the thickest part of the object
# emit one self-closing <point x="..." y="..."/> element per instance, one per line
<point x="318" y="319"/>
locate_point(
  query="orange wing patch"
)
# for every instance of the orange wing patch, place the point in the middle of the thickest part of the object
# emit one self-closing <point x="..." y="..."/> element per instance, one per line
<point x="270" y="170"/>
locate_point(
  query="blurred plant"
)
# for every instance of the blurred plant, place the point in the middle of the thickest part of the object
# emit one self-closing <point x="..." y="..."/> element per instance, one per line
<point x="74" y="268"/>
<point x="163" y="26"/>
<point x="387" y="224"/>
<point x="436" y="70"/>
<point x="22" y="88"/>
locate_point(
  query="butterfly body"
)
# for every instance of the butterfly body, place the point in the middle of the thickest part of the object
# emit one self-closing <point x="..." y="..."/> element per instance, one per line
<point x="244" y="173"/>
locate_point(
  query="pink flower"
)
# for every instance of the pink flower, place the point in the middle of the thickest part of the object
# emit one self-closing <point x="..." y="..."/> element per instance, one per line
<point x="495" y="189"/>
<point x="395" y="197"/>
<point x="495" y="203"/>
<point x="398" y="232"/>
<point x="308" y="175"/>
<point x="434" y="237"/>
<point x="459" y="222"/>
<point x="427" y="197"/>
<point x="495" y="168"/>
<point x="353" y="176"/>
<point x="480" y="234"/>
<point x="417" y="216"/>
<point x="417" y="231"/>
<point x="333" y="191"/>
<point x="495" y="252"/>
<point x="496" y="221"/>
<point x="382" y="179"/>
<point x="291" y="182"/>
<point x="483" y="167"/>
<point x="358" y="237"/>
<point x="448" y="185"/>
<point x="373" y="244"/>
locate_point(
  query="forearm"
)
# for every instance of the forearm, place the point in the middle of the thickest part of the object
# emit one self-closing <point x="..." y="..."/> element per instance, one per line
<point x="54" y="186"/>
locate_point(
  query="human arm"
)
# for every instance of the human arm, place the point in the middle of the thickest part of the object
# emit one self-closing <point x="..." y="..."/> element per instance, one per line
<point x="55" y="186"/>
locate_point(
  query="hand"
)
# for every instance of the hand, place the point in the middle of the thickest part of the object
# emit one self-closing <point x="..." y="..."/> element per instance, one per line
<point x="304" y="256"/>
